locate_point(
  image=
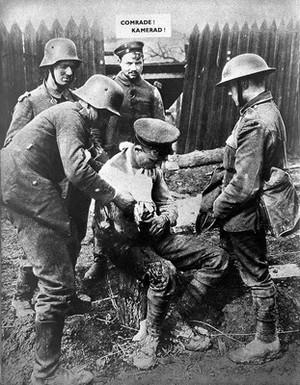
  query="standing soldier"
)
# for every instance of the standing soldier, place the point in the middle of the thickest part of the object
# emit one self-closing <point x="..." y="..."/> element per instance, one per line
<point x="61" y="61"/>
<point x="256" y="144"/>
<point x="51" y="148"/>
<point x="141" y="100"/>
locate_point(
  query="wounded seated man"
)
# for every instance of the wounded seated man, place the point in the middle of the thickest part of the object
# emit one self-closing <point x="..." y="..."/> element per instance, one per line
<point x="138" y="239"/>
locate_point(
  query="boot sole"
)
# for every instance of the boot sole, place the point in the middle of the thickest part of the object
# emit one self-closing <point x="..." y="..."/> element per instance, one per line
<point x="259" y="361"/>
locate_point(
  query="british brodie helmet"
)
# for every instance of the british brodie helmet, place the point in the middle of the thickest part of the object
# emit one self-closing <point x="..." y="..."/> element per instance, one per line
<point x="59" y="49"/>
<point x="101" y="92"/>
<point x="244" y="65"/>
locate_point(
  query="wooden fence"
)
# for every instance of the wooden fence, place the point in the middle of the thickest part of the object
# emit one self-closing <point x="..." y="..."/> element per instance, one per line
<point x="207" y="113"/>
<point x="22" y="52"/>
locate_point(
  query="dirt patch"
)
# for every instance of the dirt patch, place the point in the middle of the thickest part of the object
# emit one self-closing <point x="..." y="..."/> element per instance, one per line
<point x="98" y="342"/>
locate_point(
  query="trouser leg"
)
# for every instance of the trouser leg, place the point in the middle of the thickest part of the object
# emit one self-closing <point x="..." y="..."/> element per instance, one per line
<point x="146" y="265"/>
<point x="205" y="261"/>
<point x="250" y="251"/>
<point x="47" y="348"/>
<point x="98" y="270"/>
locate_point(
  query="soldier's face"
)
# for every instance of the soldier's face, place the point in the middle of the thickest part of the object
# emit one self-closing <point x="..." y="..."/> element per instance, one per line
<point x="148" y="158"/>
<point x="132" y="65"/>
<point x="64" y="72"/>
<point x="233" y="92"/>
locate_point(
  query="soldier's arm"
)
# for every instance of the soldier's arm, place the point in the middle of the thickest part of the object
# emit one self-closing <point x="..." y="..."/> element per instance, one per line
<point x="158" y="107"/>
<point x="163" y="199"/>
<point x="245" y="184"/>
<point x="22" y="115"/>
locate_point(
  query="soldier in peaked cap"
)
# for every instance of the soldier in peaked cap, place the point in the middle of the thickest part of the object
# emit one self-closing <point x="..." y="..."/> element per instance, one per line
<point x="141" y="100"/>
<point x="143" y="245"/>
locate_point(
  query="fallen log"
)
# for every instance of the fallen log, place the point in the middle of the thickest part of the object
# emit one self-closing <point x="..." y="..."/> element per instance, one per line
<point x="195" y="158"/>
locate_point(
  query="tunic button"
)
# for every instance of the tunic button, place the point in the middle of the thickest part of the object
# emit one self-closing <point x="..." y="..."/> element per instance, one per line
<point x="97" y="189"/>
<point x="34" y="182"/>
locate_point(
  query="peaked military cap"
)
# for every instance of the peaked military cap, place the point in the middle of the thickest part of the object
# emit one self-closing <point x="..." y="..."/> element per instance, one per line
<point x="133" y="46"/>
<point x="156" y="134"/>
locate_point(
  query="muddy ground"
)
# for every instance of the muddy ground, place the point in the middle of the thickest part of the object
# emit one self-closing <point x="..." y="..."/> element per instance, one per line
<point x="100" y="343"/>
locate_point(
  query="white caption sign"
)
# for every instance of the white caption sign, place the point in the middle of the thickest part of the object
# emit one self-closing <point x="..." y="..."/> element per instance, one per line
<point x="148" y="25"/>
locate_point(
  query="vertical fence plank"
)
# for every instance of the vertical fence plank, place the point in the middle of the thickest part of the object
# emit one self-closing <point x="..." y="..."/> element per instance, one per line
<point x="57" y="30"/>
<point x="87" y="50"/>
<point x="72" y="32"/>
<point x="30" y="54"/>
<point x="212" y="100"/>
<point x="43" y="35"/>
<point x="16" y="61"/>
<point x="98" y="40"/>
<point x="187" y="88"/>
<point x="222" y="100"/>
<point x="6" y="102"/>
<point x="197" y="125"/>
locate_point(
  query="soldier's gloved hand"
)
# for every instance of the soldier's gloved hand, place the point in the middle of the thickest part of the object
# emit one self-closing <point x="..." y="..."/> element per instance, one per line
<point x="125" y="201"/>
<point x="158" y="224"/>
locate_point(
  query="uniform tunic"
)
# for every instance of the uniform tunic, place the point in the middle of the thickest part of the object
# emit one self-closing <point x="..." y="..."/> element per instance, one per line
<point x="155" y="259"/>
<point x="45" y="152"/>
<point x="256" y="144"/>
<point x="29" y="105"/>
<point x="141" y="100"/>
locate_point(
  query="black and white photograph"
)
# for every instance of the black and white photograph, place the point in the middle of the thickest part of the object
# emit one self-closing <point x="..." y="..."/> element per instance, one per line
<point x="150" y="223"/>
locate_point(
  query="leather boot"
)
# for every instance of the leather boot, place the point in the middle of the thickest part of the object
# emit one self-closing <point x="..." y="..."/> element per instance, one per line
<point x="26" y="284"/>
<point x="145" y="357"/>
<point x="256" y="352"/>
<point x="193" y="338"/>
<point x="266" y="345"/>
<point x="98" y="270"/>
<point x="47" y="353"/>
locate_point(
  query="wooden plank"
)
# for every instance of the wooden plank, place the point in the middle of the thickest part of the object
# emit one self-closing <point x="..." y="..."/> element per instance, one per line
<point x="16" y="62"/>
<point x="43" y="35"/>
<point x="284" y="271"/>
<point x="98" y="41"/>
<point x="199" y="119"/>
<point x="57" y="30"/>
<point x="30" y="54"/>
<point x="187" y="89"/>
<point x="5" y="80"/>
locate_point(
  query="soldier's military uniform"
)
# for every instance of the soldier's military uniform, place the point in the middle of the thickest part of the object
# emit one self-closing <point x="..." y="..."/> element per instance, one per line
<point x="30" y="104"/>
<point x="48" y="150"/>
<point x="150" y="258"/>
<point x="141" y="100"/>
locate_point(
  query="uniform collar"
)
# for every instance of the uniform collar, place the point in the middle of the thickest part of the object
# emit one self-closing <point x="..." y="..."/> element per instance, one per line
<point x="55" y="94"/>
<point x="263" y="97"/>
<point x="127" y="82"/>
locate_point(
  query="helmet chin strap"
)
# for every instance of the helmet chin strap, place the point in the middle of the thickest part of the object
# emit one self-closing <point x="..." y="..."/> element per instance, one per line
<point x="60" y="87"/>
<point x="241" y="99"/>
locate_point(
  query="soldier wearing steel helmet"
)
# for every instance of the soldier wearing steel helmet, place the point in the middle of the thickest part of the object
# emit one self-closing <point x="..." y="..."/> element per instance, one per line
<point x="256" y="144"/>
<point x="143" y="245"/>
<point x="51" y="148"/>
<point x="61" y="61"/>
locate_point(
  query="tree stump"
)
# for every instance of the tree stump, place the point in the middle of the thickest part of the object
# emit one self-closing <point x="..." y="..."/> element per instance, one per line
<point x="132" y="300"/>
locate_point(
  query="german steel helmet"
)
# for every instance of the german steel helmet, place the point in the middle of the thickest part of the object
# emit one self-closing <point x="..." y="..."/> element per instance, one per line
<point x="244" y="65"/>
<point x="101" y="92"/>
<point x="59" y="49"/>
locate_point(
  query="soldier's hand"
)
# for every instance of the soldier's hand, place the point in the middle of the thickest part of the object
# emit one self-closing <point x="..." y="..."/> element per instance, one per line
<point x="158" y="224"/>
<point x="125" y="201"/>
